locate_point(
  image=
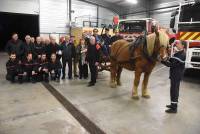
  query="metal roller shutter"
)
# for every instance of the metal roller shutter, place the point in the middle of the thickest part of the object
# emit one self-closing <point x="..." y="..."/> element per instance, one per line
<point x="20" y="6"/>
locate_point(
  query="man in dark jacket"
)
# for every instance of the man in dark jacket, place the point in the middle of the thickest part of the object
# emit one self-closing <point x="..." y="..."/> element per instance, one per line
<point x="29" y="68"/>
<point x="68" y="53"/>
<point x="12" y="67"/>
<point x="177" y="65"/>
<point x="55" y="68"/>
<point x="43" y="68"/>
<point x="52" y="47"/>
<point x="92" y="57"/>
<point x="39" y="48"/>
<point x="107" y="40"/>
<point x="15" y="45"/>
<point x="28" y="46"/>
<point x="115" y="37"/>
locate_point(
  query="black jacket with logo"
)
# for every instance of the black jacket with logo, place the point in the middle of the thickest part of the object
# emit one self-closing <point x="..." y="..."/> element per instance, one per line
<point x="177" y="65"/>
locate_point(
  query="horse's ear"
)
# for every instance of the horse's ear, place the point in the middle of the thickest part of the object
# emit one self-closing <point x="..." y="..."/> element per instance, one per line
<point x="156" y="31"/>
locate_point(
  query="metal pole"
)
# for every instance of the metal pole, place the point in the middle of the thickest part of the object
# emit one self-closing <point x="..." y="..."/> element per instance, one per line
<point x="70" y="15"/>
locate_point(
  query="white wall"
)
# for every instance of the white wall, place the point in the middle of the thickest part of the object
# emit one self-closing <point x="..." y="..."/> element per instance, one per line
<point x="105" y="16"/>
<point x="136" y="16"/>
<point x="20" y="6"/>
<point x="54" y="16"/>
<point x="83" y="12"/>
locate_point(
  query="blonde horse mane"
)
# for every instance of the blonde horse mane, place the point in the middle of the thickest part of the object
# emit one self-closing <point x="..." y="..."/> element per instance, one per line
<point x="163" y="38"/>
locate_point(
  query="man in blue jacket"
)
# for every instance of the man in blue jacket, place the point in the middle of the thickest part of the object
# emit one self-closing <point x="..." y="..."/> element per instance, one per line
<point x="177" y="65"/>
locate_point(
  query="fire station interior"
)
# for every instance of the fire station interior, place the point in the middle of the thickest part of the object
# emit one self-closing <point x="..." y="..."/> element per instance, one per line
<point x="169" y="104"/>
<point x="22" y="24"/>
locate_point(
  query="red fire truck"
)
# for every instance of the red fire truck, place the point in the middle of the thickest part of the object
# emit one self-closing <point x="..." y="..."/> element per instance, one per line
<point x="131" y="28"/>
<point x="185" y="22"/>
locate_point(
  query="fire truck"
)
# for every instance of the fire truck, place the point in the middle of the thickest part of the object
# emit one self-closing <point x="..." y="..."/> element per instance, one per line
<point x="131" y="28"/>
<point x="185" y="23"/>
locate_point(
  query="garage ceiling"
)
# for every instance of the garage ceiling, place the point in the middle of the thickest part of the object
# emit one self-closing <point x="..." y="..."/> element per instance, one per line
<point x="121" y="6"/>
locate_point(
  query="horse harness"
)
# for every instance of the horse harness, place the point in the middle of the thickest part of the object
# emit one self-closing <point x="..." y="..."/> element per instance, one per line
<point x="132" y="47"/>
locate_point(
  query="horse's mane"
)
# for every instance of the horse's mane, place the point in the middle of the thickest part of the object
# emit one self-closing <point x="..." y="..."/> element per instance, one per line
<point x="163" y="38"/>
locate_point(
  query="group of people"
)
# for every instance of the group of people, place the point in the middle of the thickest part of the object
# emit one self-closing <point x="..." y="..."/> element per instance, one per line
<point x="43" y="59"/>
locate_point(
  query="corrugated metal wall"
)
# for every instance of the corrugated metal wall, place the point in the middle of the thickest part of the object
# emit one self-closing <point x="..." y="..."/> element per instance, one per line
<point x="136" y="16"/>
<point x="83" y="12"/>
<point x="54" y="16"/>
<point x="105" y="16"/>
<point x="20" y="6"/>
<point x="163" y="15"/>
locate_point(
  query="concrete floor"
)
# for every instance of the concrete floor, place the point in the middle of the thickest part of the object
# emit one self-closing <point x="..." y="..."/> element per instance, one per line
<point x="35" y="110"/>
<point x="31" y="109"/>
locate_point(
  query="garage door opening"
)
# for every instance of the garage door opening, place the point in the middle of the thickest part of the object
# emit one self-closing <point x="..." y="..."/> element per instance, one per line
<point x="22" y="24"/>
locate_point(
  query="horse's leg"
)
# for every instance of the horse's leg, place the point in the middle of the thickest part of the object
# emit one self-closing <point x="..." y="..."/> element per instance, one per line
<point x="136" y="83"/>
<point x="145" y="93"/>
<point x="119" y="71"/>
<point x="113" y="71"/>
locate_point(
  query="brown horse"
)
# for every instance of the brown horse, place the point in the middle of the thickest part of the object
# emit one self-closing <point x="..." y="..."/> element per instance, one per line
<point x="156" y="46"/>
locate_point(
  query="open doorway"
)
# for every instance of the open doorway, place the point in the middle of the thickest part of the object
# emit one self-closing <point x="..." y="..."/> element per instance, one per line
<point x="20" y="23"/>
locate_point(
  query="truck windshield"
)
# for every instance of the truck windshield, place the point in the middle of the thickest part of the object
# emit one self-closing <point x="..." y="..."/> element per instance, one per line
<point x="190" y="13"/>
<point x="132" y="26"/>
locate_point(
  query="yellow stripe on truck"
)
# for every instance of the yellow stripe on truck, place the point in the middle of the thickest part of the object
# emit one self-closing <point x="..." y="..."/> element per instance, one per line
<point x="184" y="36"/>
<point x="193" y="35"/>
<point x="198" y="38"/>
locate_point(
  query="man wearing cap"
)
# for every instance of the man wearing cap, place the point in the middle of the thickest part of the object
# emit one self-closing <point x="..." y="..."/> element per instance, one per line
<point x="107" y="40"/>
<point x="177" y="65"/>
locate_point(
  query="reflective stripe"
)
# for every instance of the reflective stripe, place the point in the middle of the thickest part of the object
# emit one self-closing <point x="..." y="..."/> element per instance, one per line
<point x="174" y="102"/>
<point x="178" y="59"/>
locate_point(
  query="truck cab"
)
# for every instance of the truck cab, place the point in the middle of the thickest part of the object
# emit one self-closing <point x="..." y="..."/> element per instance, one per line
<point x="131" y="28"/>
<point x="185" y="23"/>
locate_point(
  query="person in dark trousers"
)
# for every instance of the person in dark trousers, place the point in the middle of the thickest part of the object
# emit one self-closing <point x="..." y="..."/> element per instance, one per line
<point x="28" y="46"/>
<point x="55" y="68"/>
<point x="107" y="40"/>
<point x="15" y="45"/>
<point x="29" y="68"/>
<point x="43" y="68"/>
<point x="12" y="67"/>
<point x="75" y="60"/>
<point x="115" y="37"/>
<point x="176" y="64"/>
<point x="81" y="56"/>
<point x="68" y="52"/>
<point x="92" y="57"/>
<point x="39" y="48"/>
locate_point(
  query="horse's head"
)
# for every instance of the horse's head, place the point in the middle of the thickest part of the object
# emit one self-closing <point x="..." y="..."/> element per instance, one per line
<point x="161" y="44"/>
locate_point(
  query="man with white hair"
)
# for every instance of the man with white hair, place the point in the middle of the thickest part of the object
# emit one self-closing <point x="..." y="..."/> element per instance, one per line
<point x="92" y="57"/>
<point x="39" y="48"/>
<point x="52" y="47"/>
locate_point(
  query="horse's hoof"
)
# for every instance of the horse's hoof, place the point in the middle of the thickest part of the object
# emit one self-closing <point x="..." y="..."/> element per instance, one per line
<point x="119" y="83"/>
<point x="135" y="97"/>
<point x="146" y="96"/>
<point x="113" y="85"/>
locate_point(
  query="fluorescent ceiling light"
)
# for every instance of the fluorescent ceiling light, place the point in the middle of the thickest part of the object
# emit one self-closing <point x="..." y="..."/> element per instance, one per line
<point x="132" y="1"/>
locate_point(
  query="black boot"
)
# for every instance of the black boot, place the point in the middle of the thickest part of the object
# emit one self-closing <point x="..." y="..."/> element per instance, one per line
<point x="169" y="106"/>
<point x="172" y="108"/>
